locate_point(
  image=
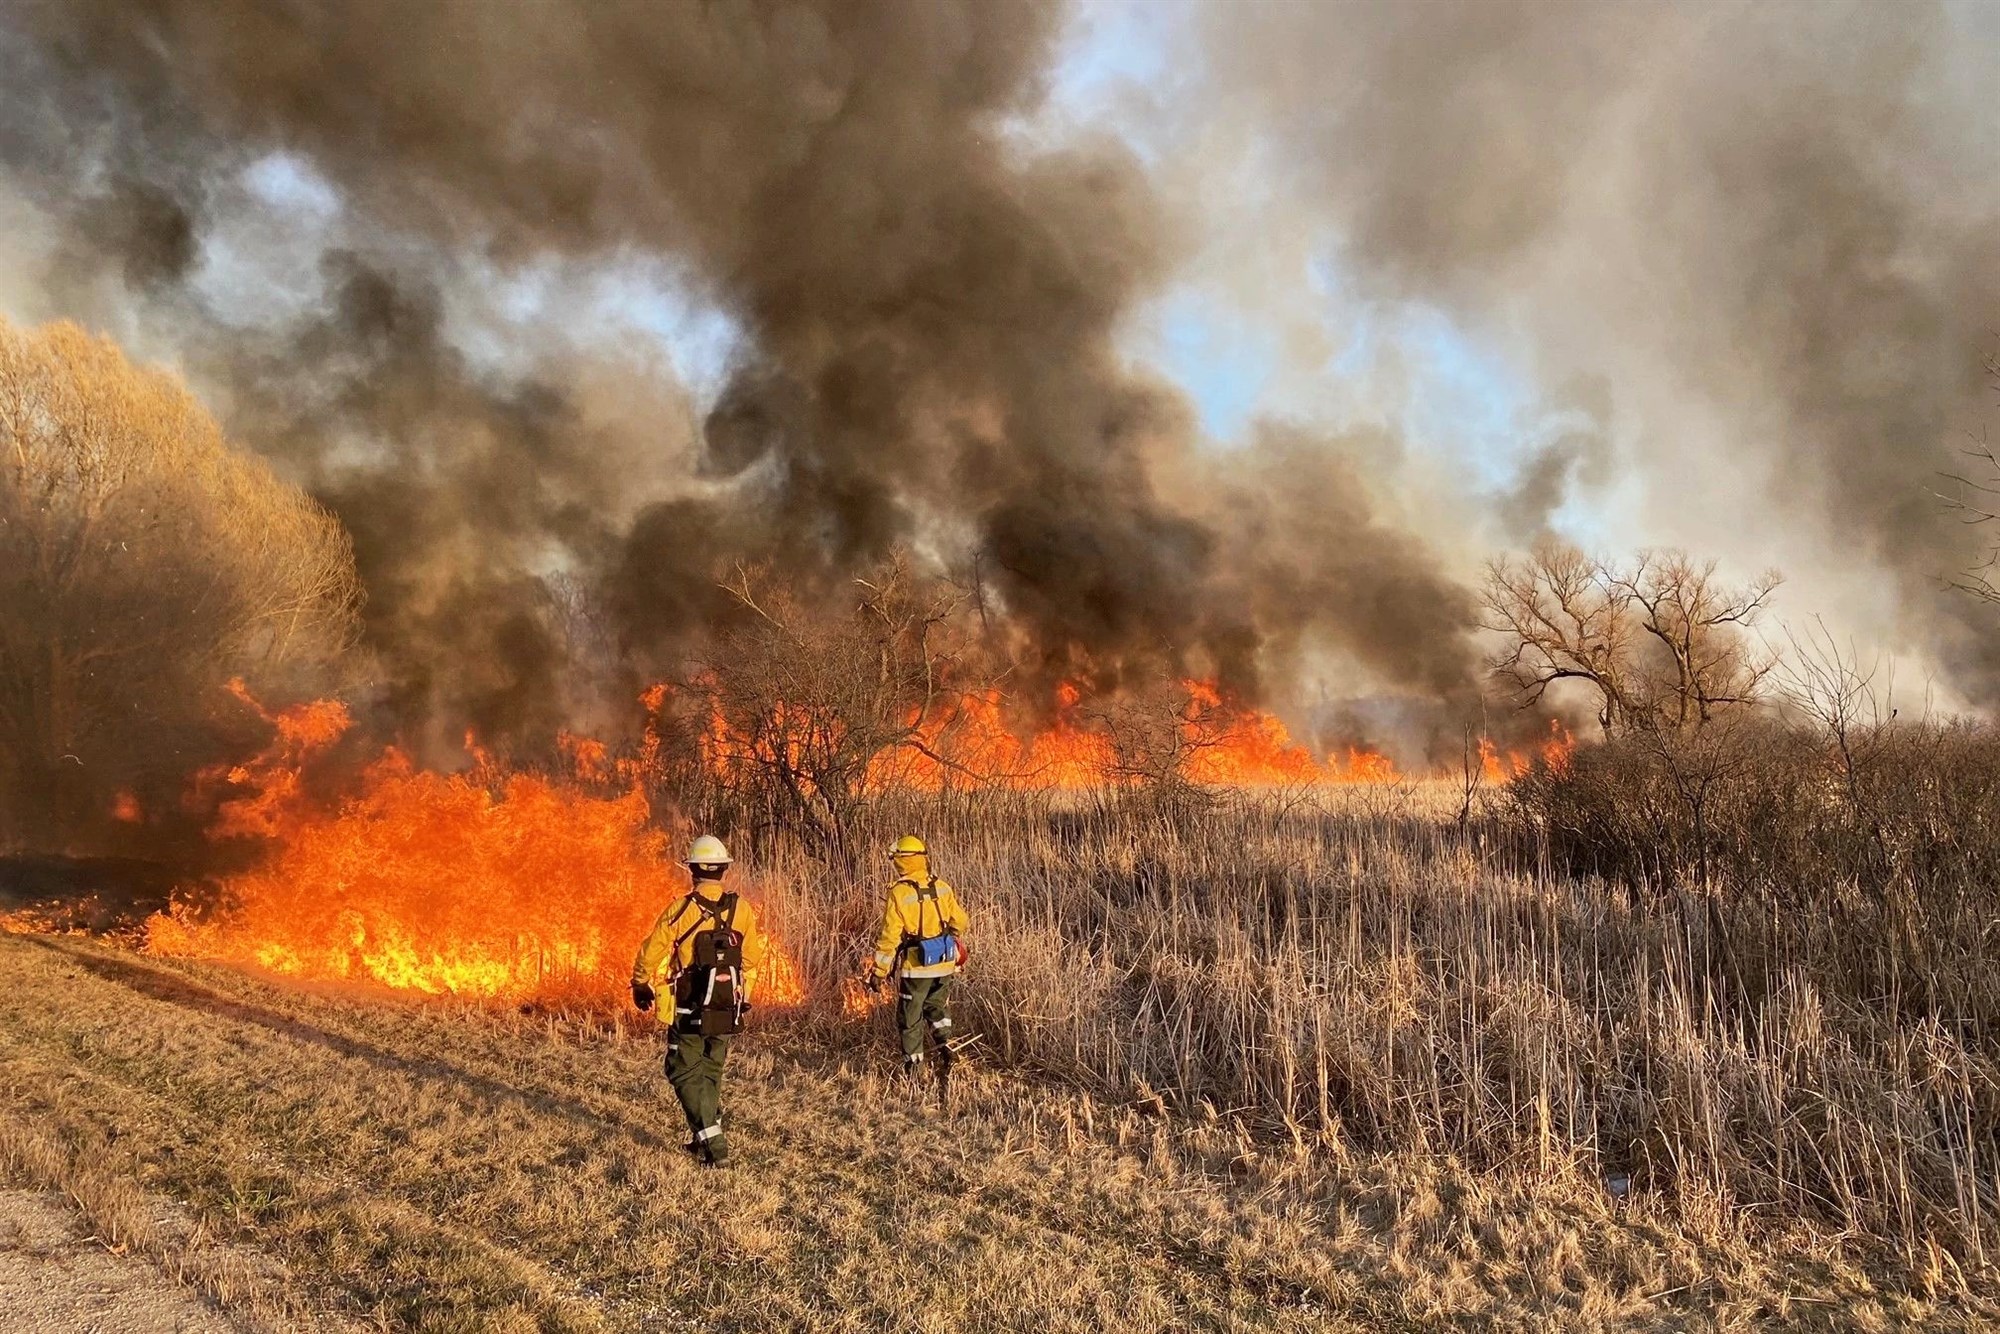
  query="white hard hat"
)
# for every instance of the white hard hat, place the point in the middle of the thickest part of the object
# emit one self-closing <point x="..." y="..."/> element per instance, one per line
<point x="707" y="851"/>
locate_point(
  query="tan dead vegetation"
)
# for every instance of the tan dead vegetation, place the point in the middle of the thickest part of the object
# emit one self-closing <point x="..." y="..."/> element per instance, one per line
<point x="1352" y="971"/>
<point x="429" y="1167"/>
<point x="143" y="561"/>
<point x="125" y="1221"/>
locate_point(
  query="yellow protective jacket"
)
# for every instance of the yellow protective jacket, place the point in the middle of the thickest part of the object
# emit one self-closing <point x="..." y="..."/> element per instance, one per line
<point x="669" y="946"/>
<point x="909" y="914"/>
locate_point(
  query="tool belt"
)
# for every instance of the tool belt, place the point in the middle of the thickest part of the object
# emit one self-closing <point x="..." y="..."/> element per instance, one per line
<point x="929" y="951"/>
<point x="708" y="993"/>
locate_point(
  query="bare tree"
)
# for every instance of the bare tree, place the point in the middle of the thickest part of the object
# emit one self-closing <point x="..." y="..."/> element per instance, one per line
<point x="1158" y="732"/>
<point x="1670" y="651"/>
<point x="810" y="701"/>
<point x="143" y="561"/>
<point x="1564" y="620"/>
<point x="1703" y="627"/>
<point x="1662" y="643"/>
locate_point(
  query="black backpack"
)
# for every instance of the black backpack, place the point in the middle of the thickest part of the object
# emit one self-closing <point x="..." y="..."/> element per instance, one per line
<point x="708" y="993"/>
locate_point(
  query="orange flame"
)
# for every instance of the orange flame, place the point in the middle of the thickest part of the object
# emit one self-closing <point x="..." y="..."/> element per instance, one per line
<point x="480" y="884"/>
<point x="1556" y="751"/>
<point x="857" y="1002"/>
<point x="270" y="795"/>
<point x="971" y="742"/>
<point x="125" y="809"/>
<point x="1369" y="766"/>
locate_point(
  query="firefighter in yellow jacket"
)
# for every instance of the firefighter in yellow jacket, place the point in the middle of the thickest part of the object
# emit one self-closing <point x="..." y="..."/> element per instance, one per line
<point x="708" y="947"/>
<point x="923" y="934"/>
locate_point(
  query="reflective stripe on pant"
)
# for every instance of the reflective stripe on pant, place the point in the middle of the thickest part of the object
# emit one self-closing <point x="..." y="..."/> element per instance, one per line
<point x="694" y="1068"/>
<point x="923" y="1010"/>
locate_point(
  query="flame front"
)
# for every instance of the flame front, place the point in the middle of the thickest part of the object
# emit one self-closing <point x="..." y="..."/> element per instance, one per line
<point x="1224" y="744"/>
<point x="479" y="884"/>
<point x="521" y="886"/>
<point x="976" y="739"/>
<point x="971" y="741"/>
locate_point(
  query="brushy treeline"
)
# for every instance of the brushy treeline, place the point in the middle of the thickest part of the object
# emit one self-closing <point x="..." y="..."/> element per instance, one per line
<point x="144" y="562"/>
<point x="1793" y="1019"/>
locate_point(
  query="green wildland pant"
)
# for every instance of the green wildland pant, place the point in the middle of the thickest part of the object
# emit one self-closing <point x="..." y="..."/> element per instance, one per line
<point x="924" y="1002"/>
<point x="694" y="1068"/>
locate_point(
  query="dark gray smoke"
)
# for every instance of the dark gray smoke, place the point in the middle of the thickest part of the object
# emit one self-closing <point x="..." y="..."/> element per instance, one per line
<point x="928" y="309"/>
<point x="1772" y="228"/>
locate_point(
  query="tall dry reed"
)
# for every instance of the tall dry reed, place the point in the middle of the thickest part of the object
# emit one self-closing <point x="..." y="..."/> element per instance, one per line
<point x="1359" y="969"/>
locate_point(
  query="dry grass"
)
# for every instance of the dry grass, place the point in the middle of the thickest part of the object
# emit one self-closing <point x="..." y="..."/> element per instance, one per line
<point x="423" y="1167"/>
<point x="1352" y="973"/>
<point x="125" y="1220"/>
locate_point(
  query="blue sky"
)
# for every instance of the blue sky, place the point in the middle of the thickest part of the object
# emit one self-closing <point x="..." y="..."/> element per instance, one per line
<point x="1127" y="68"/>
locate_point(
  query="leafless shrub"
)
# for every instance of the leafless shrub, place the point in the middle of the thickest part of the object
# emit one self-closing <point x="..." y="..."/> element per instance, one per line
<point x="1157" y="731"/>
<point x="811" y="702"/>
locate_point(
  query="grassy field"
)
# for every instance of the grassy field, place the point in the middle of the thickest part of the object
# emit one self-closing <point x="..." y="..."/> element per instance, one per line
<point x="1358" y="972"/>
<point x="423" y="1166"/>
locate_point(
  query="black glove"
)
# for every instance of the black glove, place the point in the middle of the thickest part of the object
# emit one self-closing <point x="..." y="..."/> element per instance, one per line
<point x="874" y="983"/>
<point x="642" y="995"/>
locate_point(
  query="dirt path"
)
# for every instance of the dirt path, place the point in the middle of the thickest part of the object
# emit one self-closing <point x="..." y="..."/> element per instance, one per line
<point x="56" y="1279"/>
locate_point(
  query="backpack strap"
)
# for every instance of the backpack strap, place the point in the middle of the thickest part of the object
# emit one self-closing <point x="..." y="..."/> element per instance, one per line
<point x="703" y="915"/>
<point x="927" y="890"/>
<point x="682" y="939"/>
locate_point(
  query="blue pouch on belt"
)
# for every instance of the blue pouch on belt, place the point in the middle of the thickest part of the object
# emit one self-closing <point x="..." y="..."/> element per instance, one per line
<point x="934" y="950"/>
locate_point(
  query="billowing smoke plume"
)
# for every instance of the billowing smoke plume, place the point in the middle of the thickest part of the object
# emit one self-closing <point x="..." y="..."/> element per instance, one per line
<point x="1772" y="230"/>
<point x="927" y="307"/>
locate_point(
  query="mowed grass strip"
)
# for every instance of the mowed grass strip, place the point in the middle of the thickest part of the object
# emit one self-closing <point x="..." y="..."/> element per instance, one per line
<point x="488" y="1189"/>
<point x="440" y="1168"/>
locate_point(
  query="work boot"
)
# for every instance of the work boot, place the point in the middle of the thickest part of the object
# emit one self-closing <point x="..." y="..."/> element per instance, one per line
<point x="711" y="1148"/>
